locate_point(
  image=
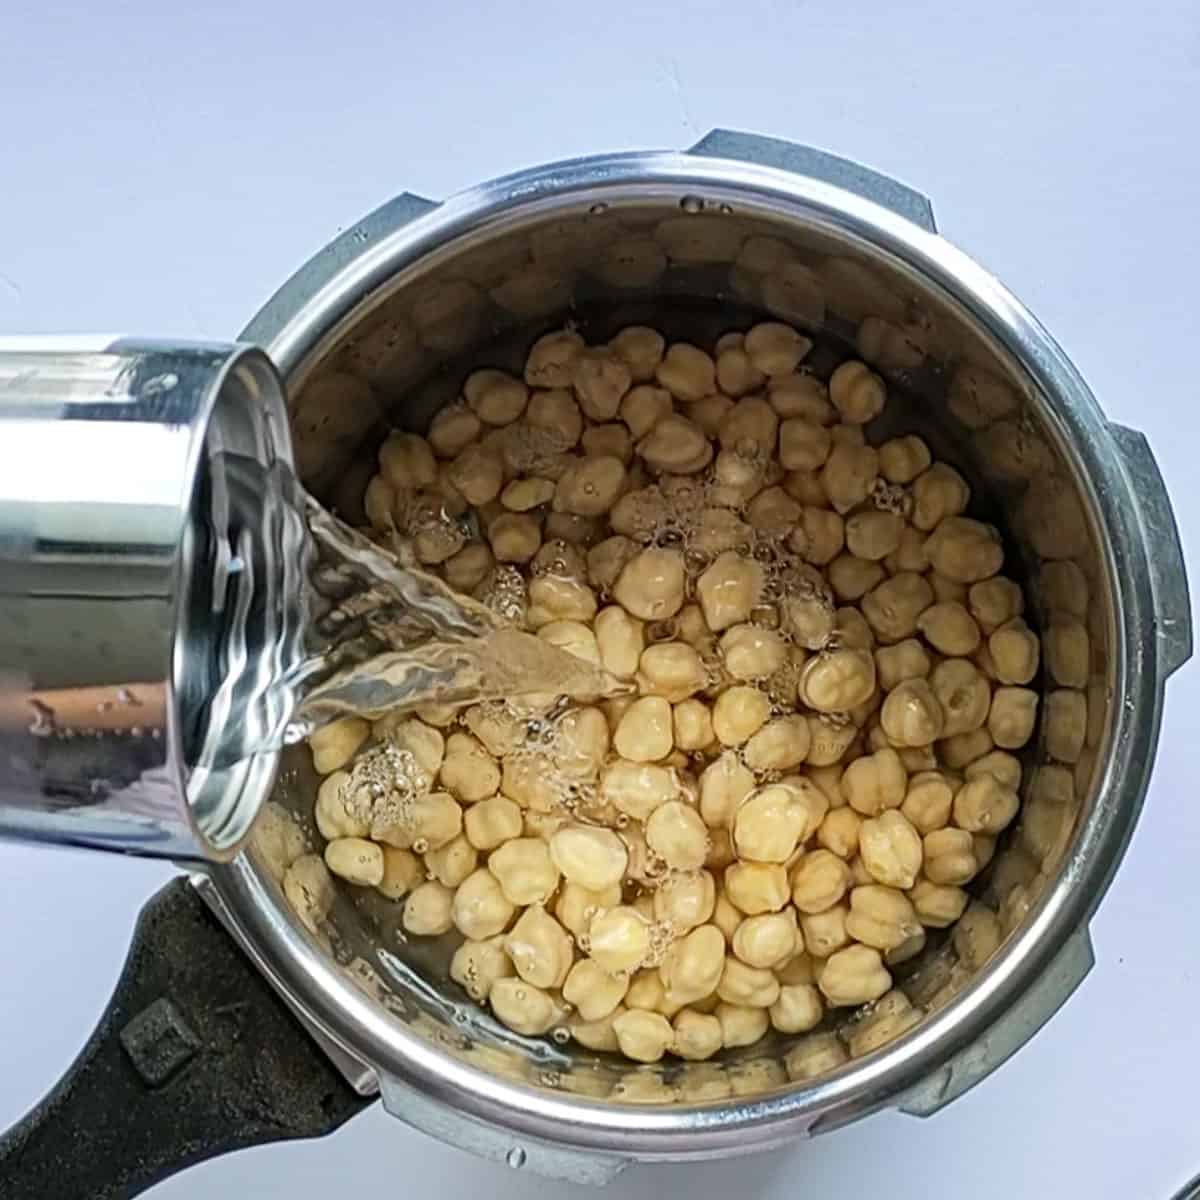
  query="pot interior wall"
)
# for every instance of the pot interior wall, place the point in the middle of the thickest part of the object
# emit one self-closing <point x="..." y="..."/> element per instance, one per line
<point x="694" y="267"/>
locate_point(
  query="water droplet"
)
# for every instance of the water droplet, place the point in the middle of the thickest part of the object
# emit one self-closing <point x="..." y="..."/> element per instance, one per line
<point x="561" y="1035"/>
<point x="598" y="208"/>
<point x="515" y="1157"/>
<point x="692" y="204"/>
<point x="725" y="209"/>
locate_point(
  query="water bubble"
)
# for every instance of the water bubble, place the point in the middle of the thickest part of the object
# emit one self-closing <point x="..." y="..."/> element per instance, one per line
<point x="725" y="209"/>
<point x="598" y="208"/>
<point x="561" y="1035"/>
<point x="515" y="1158"/>
<point x="692" y="204"/>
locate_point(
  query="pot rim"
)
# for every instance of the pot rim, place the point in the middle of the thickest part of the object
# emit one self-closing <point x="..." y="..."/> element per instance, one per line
<point x="346" y="1014"/>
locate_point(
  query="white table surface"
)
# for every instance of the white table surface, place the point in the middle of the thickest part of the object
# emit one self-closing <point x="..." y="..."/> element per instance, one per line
<point x="163" y="173"/>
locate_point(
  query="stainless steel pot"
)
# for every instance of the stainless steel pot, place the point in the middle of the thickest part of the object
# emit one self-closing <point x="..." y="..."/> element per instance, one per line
<point x="379" y="328"/>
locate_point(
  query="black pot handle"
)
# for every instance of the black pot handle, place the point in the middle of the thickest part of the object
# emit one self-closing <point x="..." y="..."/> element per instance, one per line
<point x="196" y="1056"/>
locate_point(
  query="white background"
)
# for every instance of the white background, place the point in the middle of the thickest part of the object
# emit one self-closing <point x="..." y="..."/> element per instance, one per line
<point x="163" y="173"/>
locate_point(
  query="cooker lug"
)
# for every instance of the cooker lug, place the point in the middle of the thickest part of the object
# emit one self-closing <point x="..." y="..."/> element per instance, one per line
<point x="1008" y="1034"/>
<point x="540" y="1158"/>
<point x="1164" y="552"/>
<point x="818" y="164"/>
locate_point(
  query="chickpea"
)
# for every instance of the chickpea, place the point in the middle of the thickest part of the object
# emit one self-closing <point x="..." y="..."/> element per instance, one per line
<point x="672" y="670"/>
<point x="937" y="905"/>
<point x="912" y="714"/>
<point x="776" y="349"/>
<point x="551" y="359"/>
<point x="402" y="871"/>
<point x="891" y="849"/>
<point x="881" y="917"/>
<point x="452" y="430"/>
<point x="525" y="1009"/>
<point x="554" y="415"/>
<point x="515" y="537"/>
<point x="355" y="860"/>
<point x="838" y="832"/>
<point x="928" y="801"/>
<point x="800" y="395"/>
<point x="778" y="745"/>
<point x="477" y="474"/>
<point x="590" y="486"/>
<point x="379" y="504"/>
<point x="903" y="661"/>
<point x="908" y="949"/>
<point x="873" y="535"/>
<point x="773" y="513"/>
<point x="526" y="872"/>
<point x="691" y="723"/>
<point x="976" y="936"/>
<point x="335" y="744"/>
<point x="803" y="445"/>
<point x="452" y="863"/>
<point x="1003" y="767"/>
<point x="693" y="966"/>
<point x="697" y="1037"/>
<point x="685" y="901"/>
<point x="1066" y="724"/>
<point x="428" y="910"/>
<point x="813" y="1056"/>
<point x="749" y="428"/>
<point x="1012" y="715"/>
<point x="819" y="881"/>
<point x="736" y="374"/>
<point x="676" y="444"/>
<point x="334" y="819"/>
<point x="592" y="857"/>
<point x="644" y="733"/>
<point x="769" y="823"/>
<point x="640" y="348"/>
<point x="949" y="856"/>
<point x="637" y="789"/>
<point x="573" y="637"/>
<point x="724" y="784"/>
<point x="828" y="741"/>
<point x="608" y="440"/>
<point x="875" y="782"/>
<point x="709" y="411"/>
<point x="751" y="652"/>
<point x="600" y="378"/>
<point x="740" y="1025"/>
<point x="592" y="992"/>
<point x="889" y="1018"/>
<point x="675" y="832"/>
<point x="819" y="535"/>
<point x="737" y="478"/>
<point x="748" y="987"/>
<point x="618" y="939"/>
<point x="848" y="474"/>
<point x="964" y="551"/>
<point x="756" y="888"/>
<point x="554" y="598"/>
<point x="964" y="748"/>
<point x="1064" y="588"/>
<point x="1015" y="651"/>
<point x="687" y="372"/>
<point x="825" y="932"/>
<point x="467" y="569"/>
<point x="597" y="1035"/>
<point x="468" y="771"/>
<point x="495" y="397"/>
<point x="964" y="696"/>
<point x="479" y="909"/>
<point x="434" y="819"/>
<point x="806" y="612"/>
<point x="902" y="459"/>
<point x="576" y="906"/>
<point x="766" y="941"/>
<point x="909" y="554"/>
<point x="406" y="462"/>
<point x="855" y="975"/>
<point x="995" y="602"/>
<point x="1068" y="651"/>
<point x="894" y="608"/>
<point x="837" y="680"/>
<point x="857" y="392"/>
<point x="739" y="713"/>
<point x="938" y="493"/>
<point x="728" y="590"/>
<point x="477" y="965"/>
<point x="620" y="639"/>
<point x="540" y="948"/>
<point x="950" y="629"/>
<point x="651" y="584"/>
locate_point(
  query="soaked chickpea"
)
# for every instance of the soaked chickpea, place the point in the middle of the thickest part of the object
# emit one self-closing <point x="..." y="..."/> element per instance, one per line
<point x="775" y="595"/>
